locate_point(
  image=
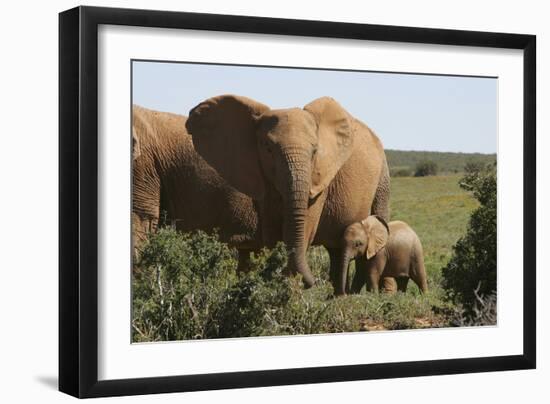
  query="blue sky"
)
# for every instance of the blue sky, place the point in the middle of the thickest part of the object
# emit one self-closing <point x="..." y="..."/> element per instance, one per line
<point x="407" y="111"/>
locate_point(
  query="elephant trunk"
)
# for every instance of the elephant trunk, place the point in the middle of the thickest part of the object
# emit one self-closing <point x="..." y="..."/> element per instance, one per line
<point x="296" y="203"/>
<point x="344" y="265"/>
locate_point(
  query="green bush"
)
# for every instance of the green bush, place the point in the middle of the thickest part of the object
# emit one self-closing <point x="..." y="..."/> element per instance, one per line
<point x="482" y="312"/>
<point x="178" y="283"/>
<point x="401" y="172"/>
<point x="472" y="268"/>
<point x="473" y="166"/>
<point x="185" y="287"/>
<point x="252" y="302"/>
<point x="425" y="168"/>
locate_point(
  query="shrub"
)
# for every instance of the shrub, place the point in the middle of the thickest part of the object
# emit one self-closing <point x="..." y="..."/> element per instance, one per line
<point x="401" y="172"/>
<point x="471" y="272"/>
<point x="252" y="302"/>
<point x="473" y="166"/>
<point x="185" y="286"/>
<point x="182" y="279"/>
<point x="483" y="312"/>
<point x="425" y="168"/>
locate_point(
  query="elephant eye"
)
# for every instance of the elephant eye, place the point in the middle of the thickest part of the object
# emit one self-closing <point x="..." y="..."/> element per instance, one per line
<point x="358" y="243"/>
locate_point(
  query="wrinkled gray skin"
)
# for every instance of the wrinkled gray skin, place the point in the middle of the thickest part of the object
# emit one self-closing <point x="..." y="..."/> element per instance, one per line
<point x="312" y="171"/>
<point x="383" y="252"/>
<point x="168" y="175"/>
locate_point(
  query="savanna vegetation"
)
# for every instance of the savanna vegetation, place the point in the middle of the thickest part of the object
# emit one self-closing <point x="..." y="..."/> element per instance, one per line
<point x="425" y="168"/>
<point x="185" y="285"/>
<point x="470" y="277"/>
<point x="404" y="163"/>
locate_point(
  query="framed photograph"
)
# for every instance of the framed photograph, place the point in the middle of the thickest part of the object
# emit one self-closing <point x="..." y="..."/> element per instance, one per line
<point x="249" y="201"/>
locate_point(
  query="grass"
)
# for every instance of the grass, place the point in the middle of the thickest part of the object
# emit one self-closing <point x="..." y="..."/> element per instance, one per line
<point x="186" y="287"/>
<point x="437" y="209"/>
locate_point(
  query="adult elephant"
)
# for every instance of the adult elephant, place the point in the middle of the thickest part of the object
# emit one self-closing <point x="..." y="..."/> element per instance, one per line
<point x="312" y="171"/>
<point x="169" y="176"/>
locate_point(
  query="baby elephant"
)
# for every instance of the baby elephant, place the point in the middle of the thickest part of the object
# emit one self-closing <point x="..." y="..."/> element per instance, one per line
<point x="382" y="251"/>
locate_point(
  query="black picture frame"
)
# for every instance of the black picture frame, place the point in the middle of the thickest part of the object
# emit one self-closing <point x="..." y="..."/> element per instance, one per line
<point x="78" y="200"/>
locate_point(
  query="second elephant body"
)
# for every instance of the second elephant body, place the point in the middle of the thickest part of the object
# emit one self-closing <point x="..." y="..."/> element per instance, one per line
<point x="169" y="176"/>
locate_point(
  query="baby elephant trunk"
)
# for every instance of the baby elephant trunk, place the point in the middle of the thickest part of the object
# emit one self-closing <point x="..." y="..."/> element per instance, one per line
<point x="341" y="287"/>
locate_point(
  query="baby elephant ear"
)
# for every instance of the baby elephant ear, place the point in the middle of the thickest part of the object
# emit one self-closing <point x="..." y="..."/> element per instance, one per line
<point x="377" y="234"/>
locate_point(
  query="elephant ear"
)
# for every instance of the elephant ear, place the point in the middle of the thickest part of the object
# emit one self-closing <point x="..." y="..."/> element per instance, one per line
<point x="223" y="130"/>
<point x="377" y="234"/>
<point x="136" y="145"/>
<point x="335" y="141"/>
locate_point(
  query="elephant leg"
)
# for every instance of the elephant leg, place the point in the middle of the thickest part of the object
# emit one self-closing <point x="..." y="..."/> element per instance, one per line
<point x="142" y="227"/>
<point x="388" y="284"/>
<point x="373" y="279"/>
<point x="418" y="275"/>
<point x="243" y="265"/>
<point x="359" y="279"/>
<point x="373" y="269"/>
<point x="402" y="282"/>
<point x="421" y="282"/>
<point x="348" y="285"/>
<point x="372" y="275"/>
<point x="360" y="276"/>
